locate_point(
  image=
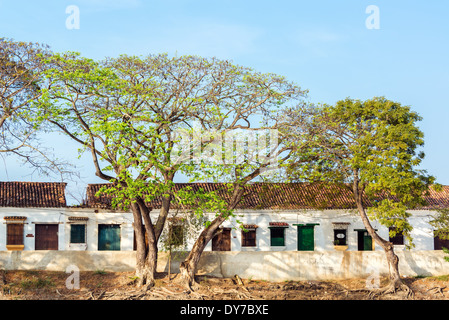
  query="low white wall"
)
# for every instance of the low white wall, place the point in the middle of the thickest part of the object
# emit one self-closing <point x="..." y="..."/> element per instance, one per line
<point x="323" y="265"/>
<point x="272" y="266"/>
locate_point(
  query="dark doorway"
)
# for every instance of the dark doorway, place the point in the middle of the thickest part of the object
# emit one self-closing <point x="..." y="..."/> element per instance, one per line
<point x="364" y="241"/>
<point x="440" y="243"/>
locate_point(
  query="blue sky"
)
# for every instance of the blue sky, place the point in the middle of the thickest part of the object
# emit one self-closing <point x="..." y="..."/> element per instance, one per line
<point x="323" y="45"/>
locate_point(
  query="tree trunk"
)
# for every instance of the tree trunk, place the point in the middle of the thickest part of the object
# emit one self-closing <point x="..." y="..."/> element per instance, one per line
<point x="163" y="214"/>
<point x="189" y="265"/>
<point x="393" y="262"/>
<point x="169" y="265"/>
<point x="151" y="266"/>
<point x="144" y="274"/>
<point x="146" y="256"/>
<point x="146" y="268"/>
<point x="140" y="246"/>
<point x="392" y="259"/>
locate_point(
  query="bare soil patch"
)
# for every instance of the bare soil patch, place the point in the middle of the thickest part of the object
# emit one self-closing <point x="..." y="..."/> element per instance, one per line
<point x="44" y="285"/>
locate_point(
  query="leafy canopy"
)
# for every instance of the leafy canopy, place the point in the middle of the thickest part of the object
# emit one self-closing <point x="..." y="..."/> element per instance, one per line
<point x="372" y="148"/>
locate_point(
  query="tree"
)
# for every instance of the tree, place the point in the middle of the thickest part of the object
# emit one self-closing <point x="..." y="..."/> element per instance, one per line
<point x="440" y="223"/>
<point x="371" y="148"/>
<point x="184" y="224"/>
<point x="21" y="75"/>
<point x="266" y="149"/>
<point x="126" y="112"/>
<point x="123" y="111"/>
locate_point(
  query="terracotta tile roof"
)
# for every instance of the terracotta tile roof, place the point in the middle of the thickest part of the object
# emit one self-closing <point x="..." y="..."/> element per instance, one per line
<point x="250" y="226"/>
<point x="278" y="224"/>
<point x="32" y="194"/>
<point x="14" y="218"/>
<point x="279" y="196"/>
<point x="438" y="199"/>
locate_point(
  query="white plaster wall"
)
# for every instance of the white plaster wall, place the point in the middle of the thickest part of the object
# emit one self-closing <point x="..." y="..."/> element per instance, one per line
<point x="422" y="231"/>
<point x="34" y="215"/>
<point x="124" y="219"/>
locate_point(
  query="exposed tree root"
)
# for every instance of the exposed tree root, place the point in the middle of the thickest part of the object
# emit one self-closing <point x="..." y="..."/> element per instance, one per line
<point x="93" y="297"/>
<point x="188" y="284"/>
<point x="240" y="282"/>
<point x="195" y="286"/>
<point x="392" y="288"/>
<point x="436" y="290"/>
<point x="155" y="293"/>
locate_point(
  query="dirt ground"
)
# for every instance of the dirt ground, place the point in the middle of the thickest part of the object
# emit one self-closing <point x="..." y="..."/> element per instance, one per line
<point x="99" y="285"/>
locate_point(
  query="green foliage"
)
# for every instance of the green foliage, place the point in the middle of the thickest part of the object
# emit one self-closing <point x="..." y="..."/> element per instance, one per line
<point x="36" y="283"/>
<point x="440" y="224"/>
<point x="446" y="250"/>
<point x="372" y="148"/>
<point x="101" y="272"/>
<point x="127" y="113"/>
<point x="393" y="215"/>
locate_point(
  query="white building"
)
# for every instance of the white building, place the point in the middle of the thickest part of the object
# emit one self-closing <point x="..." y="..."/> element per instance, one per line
<point x="282" y="217"/>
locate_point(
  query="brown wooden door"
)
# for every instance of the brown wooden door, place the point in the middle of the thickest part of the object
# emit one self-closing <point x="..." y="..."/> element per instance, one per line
<point x="222" y="241"/>
<point x="46" y="237"/>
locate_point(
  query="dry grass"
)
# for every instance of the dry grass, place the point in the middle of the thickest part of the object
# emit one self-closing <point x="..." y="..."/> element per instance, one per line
<point x="100" y="285"/>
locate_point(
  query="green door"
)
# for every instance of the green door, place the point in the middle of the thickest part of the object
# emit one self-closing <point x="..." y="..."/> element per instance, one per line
<point x="365" y="242"/>
<point x="109" y="237"/>
<point x="306" y="239"/>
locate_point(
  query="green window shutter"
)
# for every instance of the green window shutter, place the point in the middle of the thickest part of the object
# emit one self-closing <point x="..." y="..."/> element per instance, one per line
<point x="78" y="233"/>
<point x="364" y="240"/>
<point x="277" y="237"/>
<point x="306" y="238"/>
<point x="109" y="237"/>
<point x="367" y="242"/>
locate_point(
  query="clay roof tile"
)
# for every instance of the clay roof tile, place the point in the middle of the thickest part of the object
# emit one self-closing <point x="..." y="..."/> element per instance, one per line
<point x="32" y="194"/>
<point x="289" y="196"/>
